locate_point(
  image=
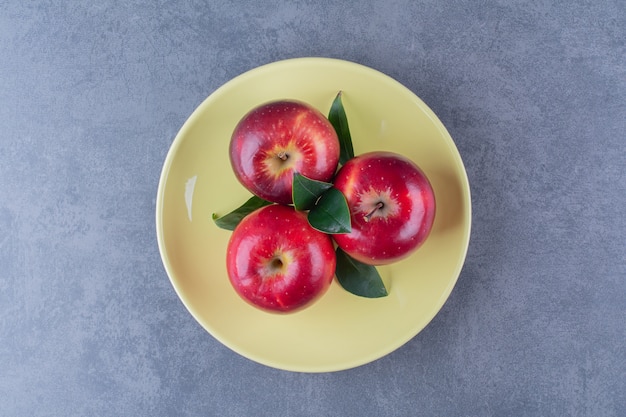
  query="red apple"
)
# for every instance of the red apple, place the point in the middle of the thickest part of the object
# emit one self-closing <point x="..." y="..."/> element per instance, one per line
<point x="392" y="207"/>
<point x="276" y="139"/>
<point x="276" y="261"/>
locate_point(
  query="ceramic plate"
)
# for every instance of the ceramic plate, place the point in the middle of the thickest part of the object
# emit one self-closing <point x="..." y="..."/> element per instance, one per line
<point x="341" y="330"/>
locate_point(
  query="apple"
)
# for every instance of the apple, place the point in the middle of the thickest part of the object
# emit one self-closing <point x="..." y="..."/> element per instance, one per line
<point x="277" y="262"/>
<point x="392" y="207"/>
<point x="276" y="139"/>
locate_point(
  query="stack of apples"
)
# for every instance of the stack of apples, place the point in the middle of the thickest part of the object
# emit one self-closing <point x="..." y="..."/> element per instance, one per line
<point x="278" y="259"/>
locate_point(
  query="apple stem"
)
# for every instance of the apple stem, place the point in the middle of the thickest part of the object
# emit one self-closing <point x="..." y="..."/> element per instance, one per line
<point x="369" y="215"/>
<point x="282" y="155"/>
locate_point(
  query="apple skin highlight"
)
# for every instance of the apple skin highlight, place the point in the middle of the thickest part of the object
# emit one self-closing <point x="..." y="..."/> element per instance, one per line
<point x="277" y="262"/>
<point x="392" y="207"/>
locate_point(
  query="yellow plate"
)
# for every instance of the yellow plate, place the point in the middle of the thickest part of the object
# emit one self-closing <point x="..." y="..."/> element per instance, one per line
<point x="341" y="330"/>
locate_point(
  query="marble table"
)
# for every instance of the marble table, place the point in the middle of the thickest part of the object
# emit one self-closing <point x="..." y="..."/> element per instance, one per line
<point x="92" y="95"/>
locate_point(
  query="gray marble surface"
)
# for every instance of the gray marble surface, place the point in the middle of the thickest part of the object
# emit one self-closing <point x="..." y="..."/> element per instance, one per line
<point x="92" y="95"/>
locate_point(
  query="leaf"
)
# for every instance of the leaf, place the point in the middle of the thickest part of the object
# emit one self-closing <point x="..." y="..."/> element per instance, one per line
<point x="331" y="213"/>
<point x="358" y="278"/>
<point x="231" y="220"/>
<point x="306" y="192"/>
<point x="337" y="117"/>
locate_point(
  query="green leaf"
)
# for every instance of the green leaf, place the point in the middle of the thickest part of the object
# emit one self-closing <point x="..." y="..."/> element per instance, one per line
<point x="306" y="192"/>
<point x="231" y="220"/>
<point x="337" y="117"/>
<point x="331" y="213"/>
<point x="358" y="278"/>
